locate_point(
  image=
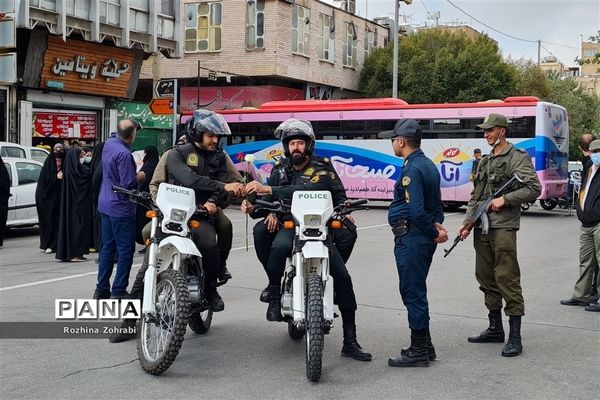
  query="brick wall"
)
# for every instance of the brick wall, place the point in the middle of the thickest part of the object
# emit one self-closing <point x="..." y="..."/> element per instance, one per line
<point x="277" y="58"/>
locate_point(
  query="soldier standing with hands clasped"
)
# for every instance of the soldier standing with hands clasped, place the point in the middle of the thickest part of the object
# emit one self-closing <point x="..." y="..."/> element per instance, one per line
<point x="496" y="265"/>
<point x="416" y="217"/>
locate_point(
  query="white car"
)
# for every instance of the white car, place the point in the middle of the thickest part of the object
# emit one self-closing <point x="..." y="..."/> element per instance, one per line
<point x="24" y="176"/>
<point x="14" y="150"/>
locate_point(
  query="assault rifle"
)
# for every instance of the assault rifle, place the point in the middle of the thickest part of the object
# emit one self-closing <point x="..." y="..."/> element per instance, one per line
<point x="481" y="212"/>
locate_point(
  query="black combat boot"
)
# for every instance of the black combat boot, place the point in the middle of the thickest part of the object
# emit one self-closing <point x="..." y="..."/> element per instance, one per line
<point x="513" y="346"/>
<point x="264" y="295"/>
<point x="126" y="331"/>
<point x="428" y="344"/>
<point x="416" y="355"/>
<point x="351" y="348"/>
<point x="213" y="298"/>
<point x="494" y="333"/>
<point x="274" y="310"/>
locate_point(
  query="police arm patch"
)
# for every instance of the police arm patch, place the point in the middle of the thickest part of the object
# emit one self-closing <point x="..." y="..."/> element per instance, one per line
<point x="192" y="160"/>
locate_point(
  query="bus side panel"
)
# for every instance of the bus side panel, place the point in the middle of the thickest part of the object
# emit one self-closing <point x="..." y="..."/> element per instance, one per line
<point x="552" y="150"/>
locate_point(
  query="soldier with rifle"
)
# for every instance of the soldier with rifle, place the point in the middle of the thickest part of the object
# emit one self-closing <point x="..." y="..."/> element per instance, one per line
<point x="496" y="265"/>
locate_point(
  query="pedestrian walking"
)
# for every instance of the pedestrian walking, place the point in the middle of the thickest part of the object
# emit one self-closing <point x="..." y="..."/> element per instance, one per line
<point x="416" y="216"/>
<point x="117" y="213"/>
<point x="496" y="265"/>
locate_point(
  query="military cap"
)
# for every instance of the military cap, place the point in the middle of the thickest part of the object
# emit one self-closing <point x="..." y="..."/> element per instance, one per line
<point x="493" y="120"/>
<point x="476" y="151"/>
<point x="408" y="128"/>
<point x="595" y="145"/>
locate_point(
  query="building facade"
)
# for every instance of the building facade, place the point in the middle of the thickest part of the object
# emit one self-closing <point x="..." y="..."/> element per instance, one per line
<point x="246" y="52"/>
<point x="589" y="72"/>
<point x="75" y="58"/>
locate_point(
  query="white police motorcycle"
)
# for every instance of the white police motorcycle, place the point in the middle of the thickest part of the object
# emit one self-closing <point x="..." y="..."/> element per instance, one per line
<point x="174" y="280"/>
<point x="307" y="288"/>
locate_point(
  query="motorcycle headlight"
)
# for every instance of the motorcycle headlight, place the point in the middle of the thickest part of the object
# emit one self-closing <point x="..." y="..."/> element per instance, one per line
<point x="178" y="215"/>
<point x="312" y="220"/>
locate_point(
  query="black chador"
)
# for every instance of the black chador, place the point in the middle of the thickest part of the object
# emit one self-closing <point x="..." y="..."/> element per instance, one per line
<point x="75" y="221"/>
<point x="96" y="167"/>
<point x="47" y="200"/>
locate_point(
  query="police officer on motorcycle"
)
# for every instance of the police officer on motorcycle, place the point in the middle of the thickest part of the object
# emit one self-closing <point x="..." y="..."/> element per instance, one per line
<point x="301" y="171"/>
<point x="201" y="165"/>
<point x="265" y="230"/>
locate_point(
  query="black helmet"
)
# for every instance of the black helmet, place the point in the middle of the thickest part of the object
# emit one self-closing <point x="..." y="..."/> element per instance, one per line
<point x="206" y="121"/>
<point x="296" y="129"/>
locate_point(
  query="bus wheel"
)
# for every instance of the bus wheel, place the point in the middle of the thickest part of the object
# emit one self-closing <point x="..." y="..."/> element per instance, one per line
<point x="548" y="204"/>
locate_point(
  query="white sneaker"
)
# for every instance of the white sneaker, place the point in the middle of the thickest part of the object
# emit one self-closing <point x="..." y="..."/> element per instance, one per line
<point x="48" y="250"/>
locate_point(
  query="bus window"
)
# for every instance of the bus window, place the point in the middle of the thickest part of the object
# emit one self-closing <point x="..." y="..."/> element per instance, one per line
<point x="521" y="127"/>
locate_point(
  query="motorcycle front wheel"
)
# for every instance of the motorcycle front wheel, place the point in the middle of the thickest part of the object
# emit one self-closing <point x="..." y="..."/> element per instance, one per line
<point x="315" y="327"/>
<point x="160" y="340"/>
<point x="200" y="321"/>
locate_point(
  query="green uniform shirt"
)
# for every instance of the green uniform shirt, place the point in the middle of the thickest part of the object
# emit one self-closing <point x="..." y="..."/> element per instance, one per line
<point x="492" y="173"/>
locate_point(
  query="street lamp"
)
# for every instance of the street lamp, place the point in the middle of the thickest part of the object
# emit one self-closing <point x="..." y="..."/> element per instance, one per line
<point x="395" y="38"/>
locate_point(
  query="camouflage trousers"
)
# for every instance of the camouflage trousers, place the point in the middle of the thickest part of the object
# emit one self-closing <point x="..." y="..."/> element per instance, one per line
<point x="497" y="270"/>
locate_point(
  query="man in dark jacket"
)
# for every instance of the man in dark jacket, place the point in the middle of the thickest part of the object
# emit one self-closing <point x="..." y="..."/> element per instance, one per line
<point x="588" y="212"/>
<point x="201" y="165"/>
<point x="4" y="195"/>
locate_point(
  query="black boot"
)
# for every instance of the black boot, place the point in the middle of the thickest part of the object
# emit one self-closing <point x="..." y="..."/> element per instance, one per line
<point x="264" y="295"/>
<point x="494" y="333"/>
<point x="416" y="355"/>
<point x="428" y="344"/>
<point x="513" y="346"/>
<point x="351" y="348"/>
<point x="213" y="298"/>
<point x="274" y="310"/>
<point x="224" y="273"/>
<point x="126" y="332"/>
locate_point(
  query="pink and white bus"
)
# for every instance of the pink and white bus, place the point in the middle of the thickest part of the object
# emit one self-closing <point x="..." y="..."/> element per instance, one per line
<point x="347" y="134"/>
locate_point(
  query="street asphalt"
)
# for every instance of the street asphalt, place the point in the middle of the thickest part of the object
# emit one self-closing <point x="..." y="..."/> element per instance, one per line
<point x="245" y="357"/>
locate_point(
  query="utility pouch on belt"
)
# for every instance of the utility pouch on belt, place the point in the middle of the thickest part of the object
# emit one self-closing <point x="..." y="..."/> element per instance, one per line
<point x="401" y="227"/>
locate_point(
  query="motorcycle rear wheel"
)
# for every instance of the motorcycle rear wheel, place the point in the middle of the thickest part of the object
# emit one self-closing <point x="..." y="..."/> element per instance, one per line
<point x="159" y="341"/>
<point x="315" y="327"/>
<point x="548" y="204"/>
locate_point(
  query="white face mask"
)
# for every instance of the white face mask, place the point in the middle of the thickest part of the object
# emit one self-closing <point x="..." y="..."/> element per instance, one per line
<point x="87" y="159"/>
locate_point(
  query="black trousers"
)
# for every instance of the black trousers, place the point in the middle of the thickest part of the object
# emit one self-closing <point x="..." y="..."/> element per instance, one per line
<point x="343" y="239"/>
<point x="3" y="217"/>
<point x="342" y="282"/>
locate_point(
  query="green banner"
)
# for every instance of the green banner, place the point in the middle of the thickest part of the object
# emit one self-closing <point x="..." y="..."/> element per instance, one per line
<point x="141" y="113"/>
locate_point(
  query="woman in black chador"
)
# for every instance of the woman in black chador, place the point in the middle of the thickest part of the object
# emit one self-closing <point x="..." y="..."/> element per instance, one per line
<point x="47" y="198"/>
<point x="149" y="165"/>
<point x="96" y="167"/>
<point x="75" y="221"/>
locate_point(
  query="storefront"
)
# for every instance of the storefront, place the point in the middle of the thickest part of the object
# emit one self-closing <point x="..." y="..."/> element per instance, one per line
<point x="66" y="89"/>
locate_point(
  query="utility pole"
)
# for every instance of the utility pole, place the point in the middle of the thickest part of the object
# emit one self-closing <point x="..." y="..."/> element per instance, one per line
<point x="539" y="48"/>
<point x="395" y="38"/>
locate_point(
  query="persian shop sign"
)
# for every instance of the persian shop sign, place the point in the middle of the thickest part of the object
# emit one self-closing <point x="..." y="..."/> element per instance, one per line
<point x="64" y="125"/>
<point x="86" y="67"/>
